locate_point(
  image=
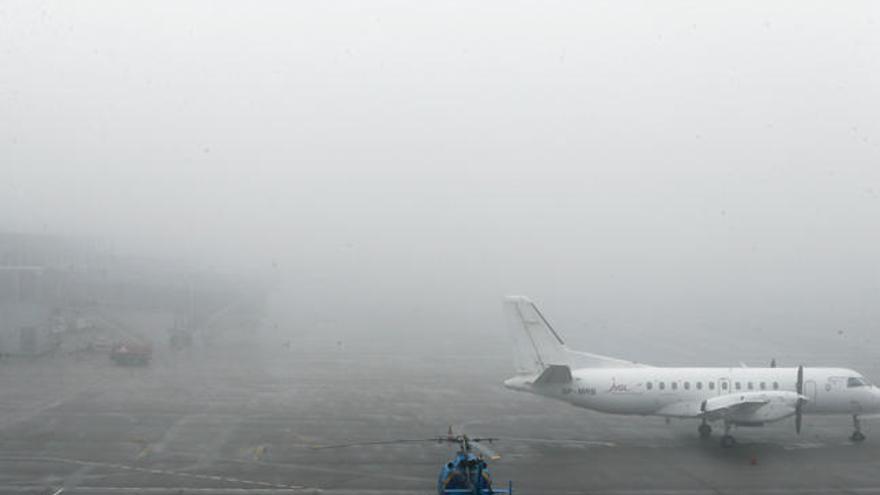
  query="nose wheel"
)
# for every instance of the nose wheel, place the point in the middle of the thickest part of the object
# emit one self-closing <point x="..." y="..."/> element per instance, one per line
<point x="857" y="435"/>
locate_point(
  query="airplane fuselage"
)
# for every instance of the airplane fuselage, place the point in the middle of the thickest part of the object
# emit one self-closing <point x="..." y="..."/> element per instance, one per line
<point x="733" y="396"/>
<point x="678" y="392"/>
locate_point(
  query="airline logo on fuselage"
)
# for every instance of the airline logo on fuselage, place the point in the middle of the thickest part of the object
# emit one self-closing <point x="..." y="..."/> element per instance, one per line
<point x="616" y="388"/>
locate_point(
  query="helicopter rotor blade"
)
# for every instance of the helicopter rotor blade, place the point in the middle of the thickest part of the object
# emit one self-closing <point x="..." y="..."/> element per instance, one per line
<point x="484" y="440"/>
<point x="379" y="442"/>
<point x="555" y="441"/>
<point x="485" y="451"/>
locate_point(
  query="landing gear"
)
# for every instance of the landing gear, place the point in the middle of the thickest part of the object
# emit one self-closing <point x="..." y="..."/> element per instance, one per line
<point x="727" y="440"/>
<point x="857" y="435"/>
<point x="704" y="430"/>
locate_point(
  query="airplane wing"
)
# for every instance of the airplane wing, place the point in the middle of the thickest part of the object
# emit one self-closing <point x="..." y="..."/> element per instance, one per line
<point x="733" y="405"/>
<point x="750" y="408"/>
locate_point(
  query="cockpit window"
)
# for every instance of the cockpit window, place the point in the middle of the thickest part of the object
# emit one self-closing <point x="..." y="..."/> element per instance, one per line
<point x="855" y="381"/>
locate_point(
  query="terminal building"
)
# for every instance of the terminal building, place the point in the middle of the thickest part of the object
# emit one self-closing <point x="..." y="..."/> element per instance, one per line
<point x="64" y="295"/>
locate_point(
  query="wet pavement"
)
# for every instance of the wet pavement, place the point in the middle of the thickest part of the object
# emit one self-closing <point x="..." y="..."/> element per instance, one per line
<point x="240" y="420"/>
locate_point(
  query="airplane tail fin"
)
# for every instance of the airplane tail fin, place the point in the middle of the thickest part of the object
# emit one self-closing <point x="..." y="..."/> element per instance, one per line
<point x="538" y="347"/>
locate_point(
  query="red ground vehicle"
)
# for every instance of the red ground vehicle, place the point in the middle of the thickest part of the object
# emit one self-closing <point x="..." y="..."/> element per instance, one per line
<point x="131" y="353"/>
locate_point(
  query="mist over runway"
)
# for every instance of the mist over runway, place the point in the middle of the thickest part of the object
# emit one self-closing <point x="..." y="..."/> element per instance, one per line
<point x="291" y="224"/>
<point x="234" y="419"/>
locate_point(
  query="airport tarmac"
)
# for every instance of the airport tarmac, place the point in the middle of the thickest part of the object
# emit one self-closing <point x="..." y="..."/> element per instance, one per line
<point x="237" y="420"/>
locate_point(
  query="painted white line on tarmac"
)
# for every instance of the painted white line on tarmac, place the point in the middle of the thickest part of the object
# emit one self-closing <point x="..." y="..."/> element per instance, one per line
<point x="155" y="471"/>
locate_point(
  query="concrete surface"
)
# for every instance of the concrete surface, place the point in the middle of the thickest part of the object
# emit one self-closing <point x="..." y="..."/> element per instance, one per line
<point x="240" y="420"/>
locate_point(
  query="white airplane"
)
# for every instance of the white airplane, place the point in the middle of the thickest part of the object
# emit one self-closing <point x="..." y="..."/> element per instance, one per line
<point x="736" y="396"/>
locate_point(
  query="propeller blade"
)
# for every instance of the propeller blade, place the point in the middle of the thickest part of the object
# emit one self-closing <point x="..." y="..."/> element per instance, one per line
<point x="798" y="413"/>
<point x="800" y="380"/>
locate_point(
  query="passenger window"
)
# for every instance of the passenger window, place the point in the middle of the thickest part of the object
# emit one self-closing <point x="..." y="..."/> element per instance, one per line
<point x="763" y="386"/>
<point x="751" y="386"/>
<point x="674" y="385"/>
<point x="738" y="385"/>
<point x="661" y="385"/>
<point x="699" y="385"/>
<point x="723" y="385"/>
<point x="775" y="385"/>
<point x="687" y="385"/>
<point x="649" y="385"/>
<point x="711" y="385"/>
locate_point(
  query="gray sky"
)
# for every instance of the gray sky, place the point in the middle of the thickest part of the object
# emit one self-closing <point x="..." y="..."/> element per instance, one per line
<point x="676" y="164"/>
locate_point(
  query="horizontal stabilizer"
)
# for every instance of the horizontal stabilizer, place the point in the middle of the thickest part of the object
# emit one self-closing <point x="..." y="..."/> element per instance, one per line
<point x="580" y="359"/>
<point x="554" y="374"/>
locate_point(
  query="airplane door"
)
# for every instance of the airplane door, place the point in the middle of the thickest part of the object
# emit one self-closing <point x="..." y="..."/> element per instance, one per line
<point x="811" y="391"/>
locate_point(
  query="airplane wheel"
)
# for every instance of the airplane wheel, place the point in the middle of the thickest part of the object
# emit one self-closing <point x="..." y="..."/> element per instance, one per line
<point x="705" y="431"/>
<point x="727" y="441"/>
<point x="857" y="436"/>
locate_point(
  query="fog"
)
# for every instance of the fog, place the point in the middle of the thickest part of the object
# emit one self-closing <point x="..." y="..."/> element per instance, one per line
<point x="636" y="167"/>
<point x="231" y="232"/>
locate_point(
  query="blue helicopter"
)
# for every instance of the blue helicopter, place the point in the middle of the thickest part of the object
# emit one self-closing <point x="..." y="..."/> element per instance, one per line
<point x="466" y="474"/>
